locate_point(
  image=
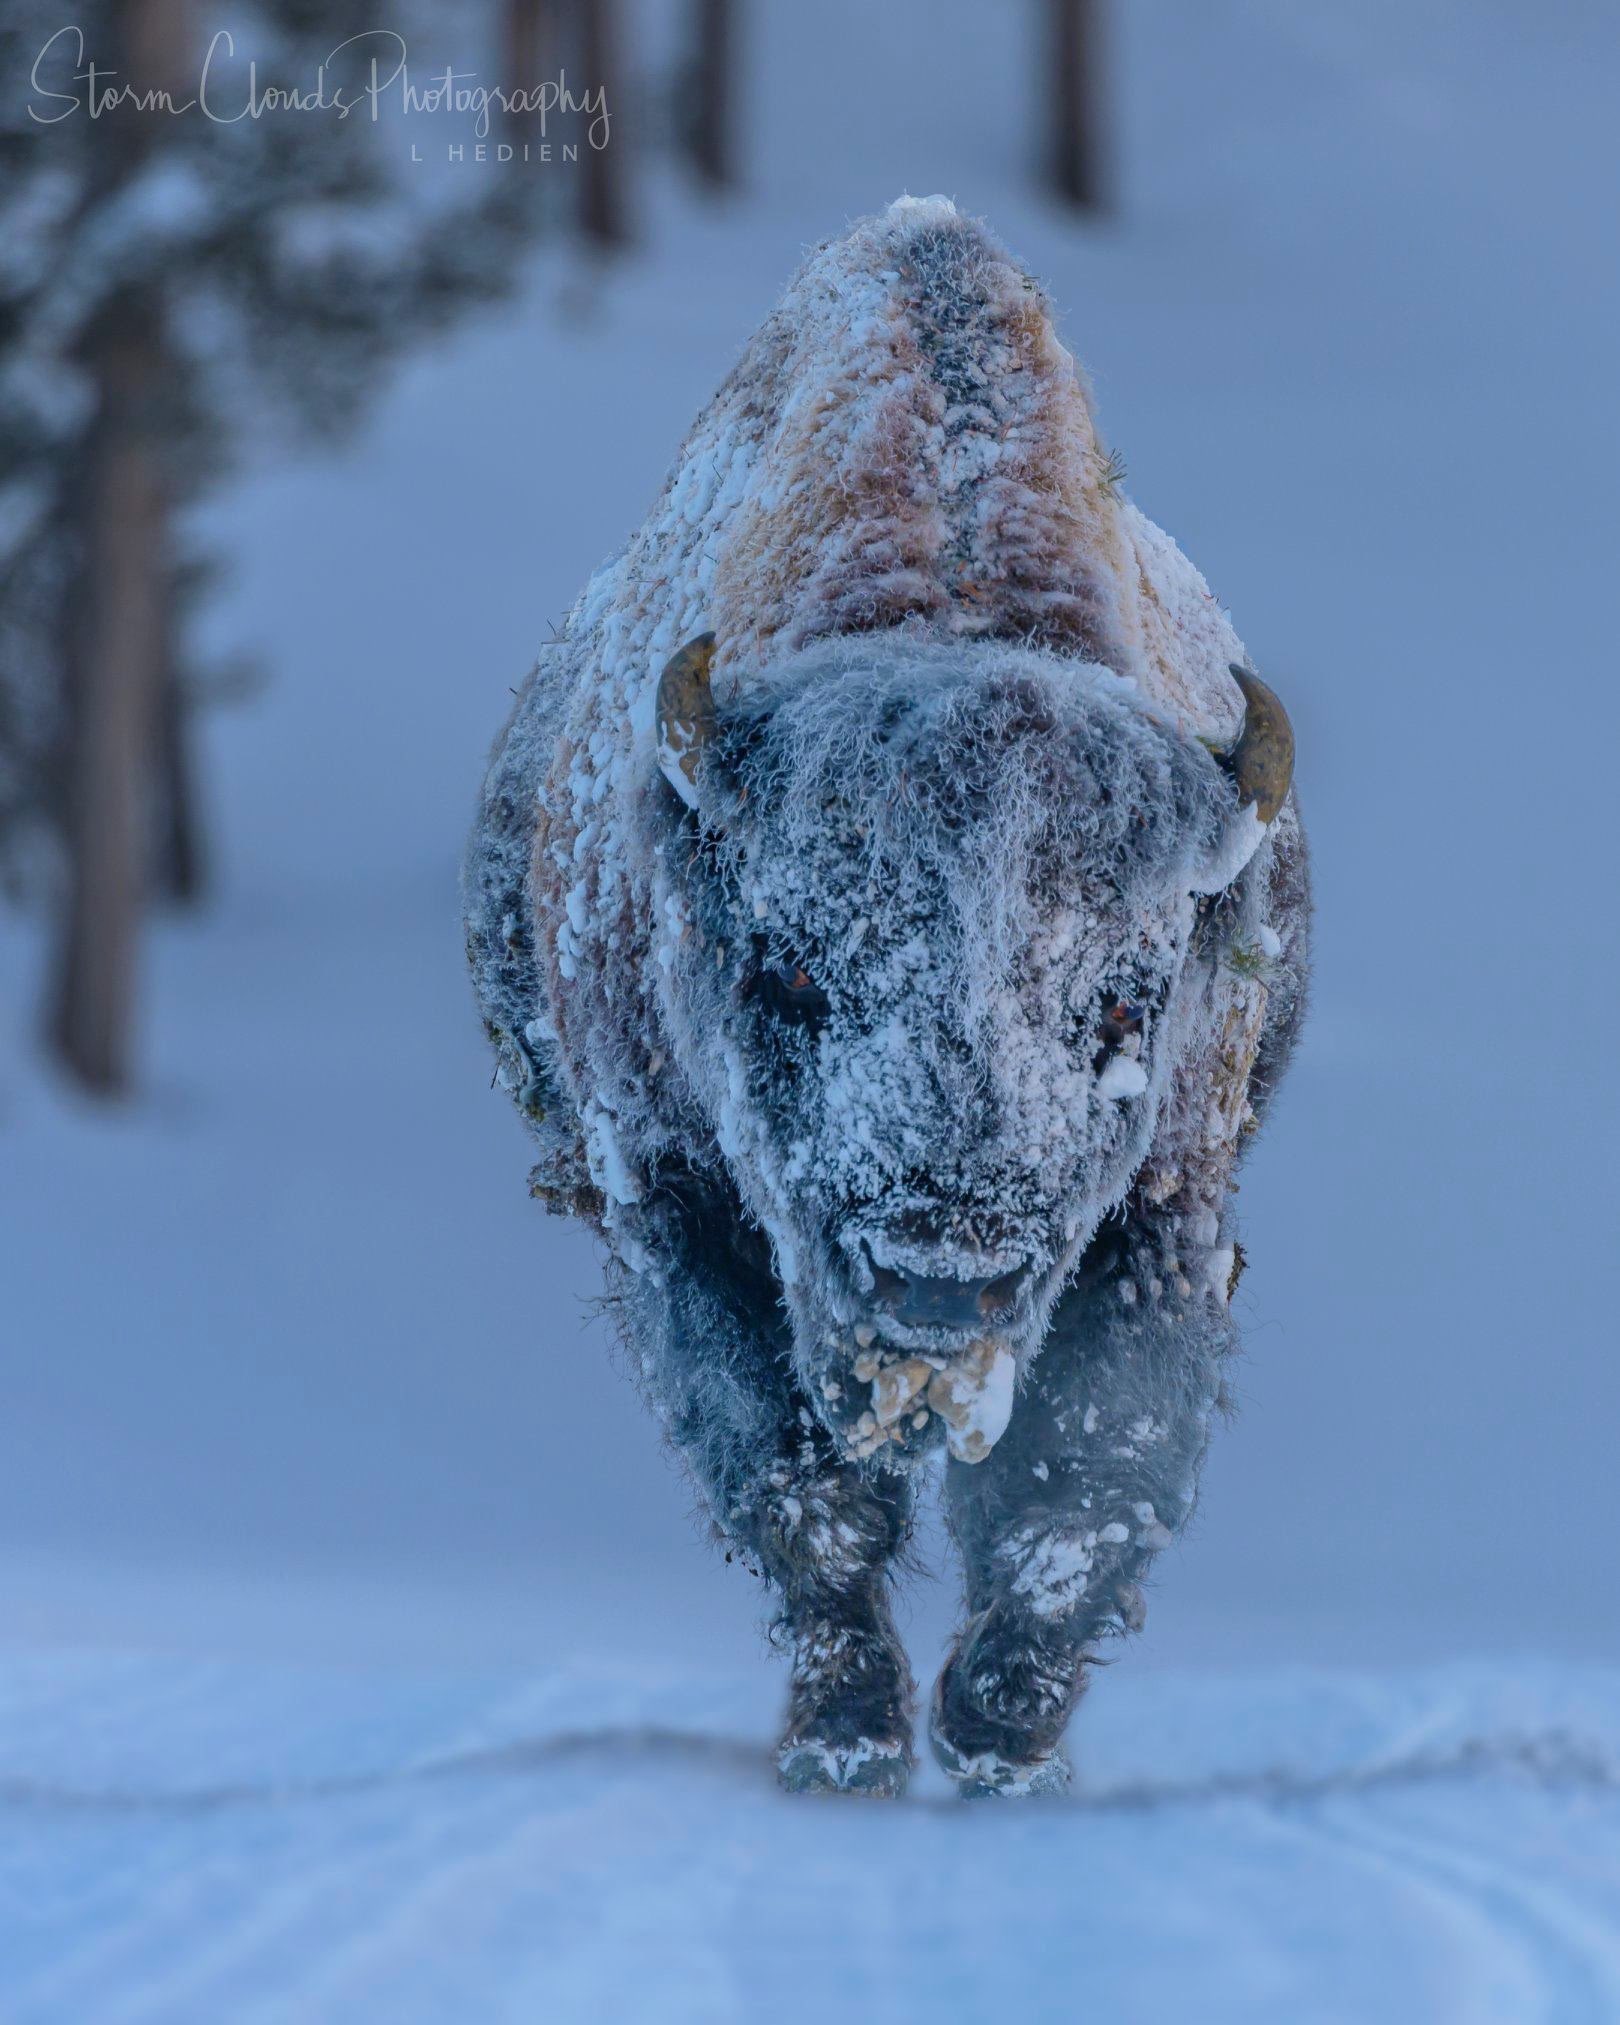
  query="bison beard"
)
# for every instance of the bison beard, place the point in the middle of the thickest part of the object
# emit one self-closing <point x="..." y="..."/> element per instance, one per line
<point x="889" y="912"/>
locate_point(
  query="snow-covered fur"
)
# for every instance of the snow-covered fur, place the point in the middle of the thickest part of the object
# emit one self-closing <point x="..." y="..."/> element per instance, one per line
<point x="902" y="1048"/>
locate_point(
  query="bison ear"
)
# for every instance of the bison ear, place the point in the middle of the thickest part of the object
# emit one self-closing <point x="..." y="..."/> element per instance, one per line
<point x="1261" y="762"/>
<point x="684" y="714"/>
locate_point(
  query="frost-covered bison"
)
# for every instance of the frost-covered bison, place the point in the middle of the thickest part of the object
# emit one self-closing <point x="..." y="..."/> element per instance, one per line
<point x="889" y="912"/>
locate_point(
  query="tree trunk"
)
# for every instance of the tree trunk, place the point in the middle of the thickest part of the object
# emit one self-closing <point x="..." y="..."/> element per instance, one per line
<point x="529" y="37"/>
<point x="603" y="212"/>
<point x="180" y="869"/>
<point x="1075" y="92"/>
<point x="116" y="667"/>
<point x="116" y="632"/>
<point x="707" y="120"/>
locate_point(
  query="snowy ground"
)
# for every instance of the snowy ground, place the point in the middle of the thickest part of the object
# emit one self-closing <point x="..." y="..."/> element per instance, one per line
<point x="349" y="1614"/>
<point x="197" y="1842"/>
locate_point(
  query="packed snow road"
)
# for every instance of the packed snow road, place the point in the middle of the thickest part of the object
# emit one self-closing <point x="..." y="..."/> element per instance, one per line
<point x="185" y="1841"/>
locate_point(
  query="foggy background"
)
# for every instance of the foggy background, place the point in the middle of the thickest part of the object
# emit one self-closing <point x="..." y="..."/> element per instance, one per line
<point x="292" y="1364"/>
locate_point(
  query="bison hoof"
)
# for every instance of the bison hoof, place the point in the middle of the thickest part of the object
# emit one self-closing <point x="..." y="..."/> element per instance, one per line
<point x="877" y="1768"/>
<point x="989" y="1754"/>
<point x="987" y="1775"/>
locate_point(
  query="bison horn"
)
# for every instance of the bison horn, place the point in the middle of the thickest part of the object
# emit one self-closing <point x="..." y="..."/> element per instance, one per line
<point x="1261" y="762"/>
<point x="685" y="715"/>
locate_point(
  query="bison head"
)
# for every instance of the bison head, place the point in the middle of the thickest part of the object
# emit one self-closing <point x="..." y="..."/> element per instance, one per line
<point x="926" y="919"/>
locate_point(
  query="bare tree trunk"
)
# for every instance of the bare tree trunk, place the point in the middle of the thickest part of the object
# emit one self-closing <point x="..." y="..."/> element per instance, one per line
<point x="526" y="33"/>
<point x="707" y="120"/>
<point x="529" y="37"/>
<point x="180" y="870"/>
<point x="603" y="210"/>
<point x="1076" y="96"/>
<point x="117" y="662"/>
<point x="116" y="634"/>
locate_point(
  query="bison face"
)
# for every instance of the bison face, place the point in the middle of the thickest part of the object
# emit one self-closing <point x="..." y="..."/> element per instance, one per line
<point x="928" y="913"/>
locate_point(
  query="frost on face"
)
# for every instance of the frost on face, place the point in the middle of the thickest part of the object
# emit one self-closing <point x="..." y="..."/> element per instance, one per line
<point x="939" y="912"/>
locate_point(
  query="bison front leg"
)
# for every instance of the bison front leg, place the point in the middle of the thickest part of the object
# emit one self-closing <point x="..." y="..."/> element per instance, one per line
<point x="704" y="1320"/>
<point x="1096" y="1473"/>
<point x="823" y="1532"/>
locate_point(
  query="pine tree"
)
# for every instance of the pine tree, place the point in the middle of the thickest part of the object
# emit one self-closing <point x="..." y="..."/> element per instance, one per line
<point x="175" y="292"/>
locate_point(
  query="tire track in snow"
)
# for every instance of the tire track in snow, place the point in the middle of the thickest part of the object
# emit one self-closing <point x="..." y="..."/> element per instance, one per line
<point x="1573" y="1958"/>
<point x="167" y="1947"/>
<point x="427" y="1864"/>
<point x="1489" y="1976"/>
<point x="1476" y="1961"/>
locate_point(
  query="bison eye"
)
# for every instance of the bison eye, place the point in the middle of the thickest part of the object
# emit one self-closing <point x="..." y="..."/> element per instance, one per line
<point x="1119" y="1024"/>
<point x="792" y="995"/>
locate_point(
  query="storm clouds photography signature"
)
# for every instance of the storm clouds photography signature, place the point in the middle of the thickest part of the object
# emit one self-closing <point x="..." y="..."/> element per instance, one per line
<point x="367" y="74"/>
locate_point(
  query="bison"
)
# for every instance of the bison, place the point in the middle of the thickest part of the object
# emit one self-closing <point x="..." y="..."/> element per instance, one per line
<point x="889" y="909"/>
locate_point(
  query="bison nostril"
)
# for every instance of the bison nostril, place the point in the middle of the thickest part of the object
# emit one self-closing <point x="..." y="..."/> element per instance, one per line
<point x="890" y="1287"/>
<point x="998" y="1295"/>
<point x="942" y="1300"/>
